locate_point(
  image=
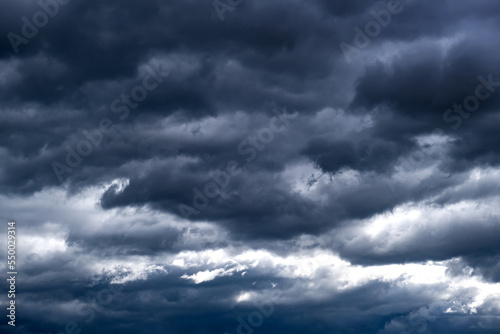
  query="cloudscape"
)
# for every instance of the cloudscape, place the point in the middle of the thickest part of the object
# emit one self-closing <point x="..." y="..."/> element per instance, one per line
<point x="250" y="166"/>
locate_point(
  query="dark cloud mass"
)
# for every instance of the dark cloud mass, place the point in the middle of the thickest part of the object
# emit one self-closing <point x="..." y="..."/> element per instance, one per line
<point x="236" y="166"/>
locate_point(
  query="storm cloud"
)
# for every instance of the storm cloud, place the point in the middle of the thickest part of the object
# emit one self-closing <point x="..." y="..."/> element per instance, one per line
<point x="237" y="166"/>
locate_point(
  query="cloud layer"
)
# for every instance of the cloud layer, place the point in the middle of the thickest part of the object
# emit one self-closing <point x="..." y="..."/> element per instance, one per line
<point x="177" y="167"/>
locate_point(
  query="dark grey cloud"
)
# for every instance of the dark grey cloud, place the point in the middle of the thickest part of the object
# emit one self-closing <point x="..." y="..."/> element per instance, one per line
<point x="122" y="123"/>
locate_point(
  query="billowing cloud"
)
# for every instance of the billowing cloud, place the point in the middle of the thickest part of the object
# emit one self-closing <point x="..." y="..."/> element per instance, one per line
<point x="252" y="166"/>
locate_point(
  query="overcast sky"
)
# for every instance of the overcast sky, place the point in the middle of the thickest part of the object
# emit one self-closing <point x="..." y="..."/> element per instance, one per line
<point x="251" y="166"/>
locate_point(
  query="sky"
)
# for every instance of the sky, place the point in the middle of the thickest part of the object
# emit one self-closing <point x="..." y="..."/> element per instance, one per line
<point x="251" y="166"/>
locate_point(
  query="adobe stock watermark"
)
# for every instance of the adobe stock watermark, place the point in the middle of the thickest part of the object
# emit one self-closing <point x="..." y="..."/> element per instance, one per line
<point x="221" y="7"/>
<point x="255" y="319"/>
<point x="249" y="148"/>
<point x="419" y="319"/>
<point x="415" y="159"/>
<point x="120" y="106"/>
<point x="483" y="91"/>
<point x="471" y="103"/>
<point x="372" y="29"/>
<point x="414" y="321"/>
<point x="95" y="304"/>
<point x="30" y="28"/>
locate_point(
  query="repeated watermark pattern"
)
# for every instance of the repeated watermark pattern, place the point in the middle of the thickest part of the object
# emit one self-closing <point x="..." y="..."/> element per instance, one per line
<point x="254" y="319"/>
<point x="221" y="7"/>
<point x="93" y="306"/>
<point x="120" y="106"/>
<point x="30" y="28"/>
<point x="483" y="91"/>
<point x="471" y="103"/>
<point x="372" y="29"/>
<point x="414" y="321"/>
<point x="249" y="148"/>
